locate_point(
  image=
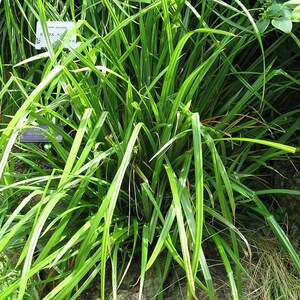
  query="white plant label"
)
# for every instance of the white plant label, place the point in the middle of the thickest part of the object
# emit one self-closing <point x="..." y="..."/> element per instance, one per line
<point x="56" y="30"/>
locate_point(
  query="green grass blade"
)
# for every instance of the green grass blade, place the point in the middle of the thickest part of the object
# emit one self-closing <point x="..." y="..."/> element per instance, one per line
<point x="199" y="174"/>
<point x="145" y="240"/>
<point x="110" y="201"/>
<point x="181" y="228"/>
<point x="285" y="148"/>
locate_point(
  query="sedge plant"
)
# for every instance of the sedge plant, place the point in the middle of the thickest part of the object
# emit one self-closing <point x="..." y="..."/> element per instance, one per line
<point x="167" y="111"/>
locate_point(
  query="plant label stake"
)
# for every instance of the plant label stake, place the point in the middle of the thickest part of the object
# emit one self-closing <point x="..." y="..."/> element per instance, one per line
<point x="38" y="135"/>
<point x="56" y="30"/>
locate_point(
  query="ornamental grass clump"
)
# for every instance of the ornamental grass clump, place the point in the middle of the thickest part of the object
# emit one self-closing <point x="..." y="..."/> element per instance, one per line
<point x="166" y="113"/>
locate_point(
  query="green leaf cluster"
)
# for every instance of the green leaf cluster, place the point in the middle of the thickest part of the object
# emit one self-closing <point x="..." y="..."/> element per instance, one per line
<point x="281" y="14"/>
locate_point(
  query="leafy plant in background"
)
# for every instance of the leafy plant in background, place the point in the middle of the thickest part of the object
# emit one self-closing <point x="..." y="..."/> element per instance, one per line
<point x="164" y="108"/>
<point x="281" y="14"/>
